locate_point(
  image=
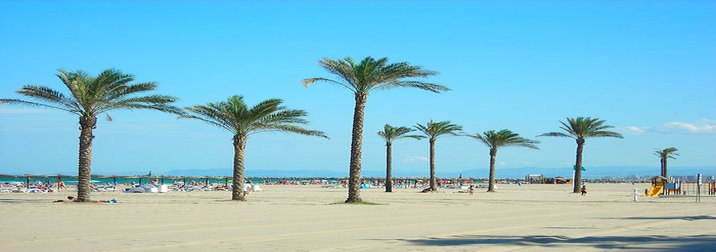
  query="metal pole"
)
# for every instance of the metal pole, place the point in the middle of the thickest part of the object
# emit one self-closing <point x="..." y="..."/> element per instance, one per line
<point x="698" y="187"/>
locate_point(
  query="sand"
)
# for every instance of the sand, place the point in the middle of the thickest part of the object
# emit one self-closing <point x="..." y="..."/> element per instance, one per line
<point x="306" y="218"/>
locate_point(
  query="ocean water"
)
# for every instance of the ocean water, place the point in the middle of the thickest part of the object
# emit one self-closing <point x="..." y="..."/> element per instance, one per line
<point x="100" y="181"/>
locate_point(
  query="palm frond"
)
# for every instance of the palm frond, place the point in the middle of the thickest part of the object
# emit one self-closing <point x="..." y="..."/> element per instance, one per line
<point x="35" y="104"/>
<point x="308" y="82"/>
<point x="432" y="87"/>
<point x="555" y="134"/>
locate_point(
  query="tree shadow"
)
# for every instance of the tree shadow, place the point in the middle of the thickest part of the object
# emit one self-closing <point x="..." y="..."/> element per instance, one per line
<point x="651" y="242"/>
<point x="23" y="201"/>
<point x="688" y="218"/>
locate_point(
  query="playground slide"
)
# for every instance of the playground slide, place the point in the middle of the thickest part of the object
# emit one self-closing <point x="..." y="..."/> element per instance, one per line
<point x="655" y="191"/>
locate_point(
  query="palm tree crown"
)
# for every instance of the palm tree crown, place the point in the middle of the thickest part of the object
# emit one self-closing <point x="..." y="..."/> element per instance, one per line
<point x="391" y="133"/>
<point x="235" y="116"/>
<point x="504" y="138"/>
<point x="667" y="153"/>
<point x="584" y="127"/>
<point x="371" y="74"/>
<point x="91" y="96"/>
<point x="435" y="129"/>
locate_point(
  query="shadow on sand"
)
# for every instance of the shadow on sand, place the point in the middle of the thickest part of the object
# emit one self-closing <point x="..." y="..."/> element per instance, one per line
<point x="688" y="218"/>
<point x="23" y="201"/>
<point x="652" y="242"/>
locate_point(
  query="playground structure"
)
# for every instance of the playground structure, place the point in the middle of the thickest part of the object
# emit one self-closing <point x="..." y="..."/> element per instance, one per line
<point x="661" y="186"/>
<point x="657" y="186"/>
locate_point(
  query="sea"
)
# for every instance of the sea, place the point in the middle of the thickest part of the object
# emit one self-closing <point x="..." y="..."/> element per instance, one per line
<point x="101" y="181"/>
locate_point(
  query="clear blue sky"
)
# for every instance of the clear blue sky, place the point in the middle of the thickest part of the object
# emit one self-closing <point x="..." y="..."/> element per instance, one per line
<point x="648" y="68"/>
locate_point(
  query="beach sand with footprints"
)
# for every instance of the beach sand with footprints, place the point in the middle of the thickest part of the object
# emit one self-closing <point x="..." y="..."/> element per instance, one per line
<point x="307" y="218"/>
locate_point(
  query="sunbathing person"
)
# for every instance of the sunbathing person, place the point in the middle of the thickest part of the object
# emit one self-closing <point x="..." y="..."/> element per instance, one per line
<point x="73" y="199"/>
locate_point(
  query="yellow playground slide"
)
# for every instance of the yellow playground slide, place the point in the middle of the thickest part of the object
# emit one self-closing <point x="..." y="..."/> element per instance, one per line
<point x="655" y="190"/>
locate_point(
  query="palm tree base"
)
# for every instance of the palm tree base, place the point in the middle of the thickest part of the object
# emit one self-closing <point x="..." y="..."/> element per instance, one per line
<point x="353" y="201"/>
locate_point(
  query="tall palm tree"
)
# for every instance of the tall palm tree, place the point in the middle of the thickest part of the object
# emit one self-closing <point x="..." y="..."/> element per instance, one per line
<point x="236" y="117"/>
<point x="389" y="134"/>
<point x="368" y="75"/>
<point x="502" y="138"/>
<point x="432" y="131"/>
<point x="91" y="96"/>
<point x="665" y="154"/>
<point x="579" y="129"/>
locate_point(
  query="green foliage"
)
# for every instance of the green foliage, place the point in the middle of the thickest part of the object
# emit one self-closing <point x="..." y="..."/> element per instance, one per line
<point x="435" y="129"/>
<point x="504" y="138"/>
<point x="267" y="116"/>
<point x="391" y="133"/>
<point x="371" y="74"/>
<point x="584" y="127"/>
<point x="667" y="153"/>
<point x="92" y="96"/>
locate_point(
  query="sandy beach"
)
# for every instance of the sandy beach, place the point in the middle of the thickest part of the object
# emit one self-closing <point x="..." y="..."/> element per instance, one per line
<point x="306" y="218"/>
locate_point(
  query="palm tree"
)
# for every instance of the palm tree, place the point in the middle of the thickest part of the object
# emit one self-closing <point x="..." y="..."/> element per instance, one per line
<point x="432" y="131"/>
<point x="502" y="138"/>
<point x="665" y="154"/>
<point x="389" y="134"/>
<point x="361" y="78"/>
<point x="580" y="128"/>
<point x="90" y="97"/>
<point x="236" y="117"/>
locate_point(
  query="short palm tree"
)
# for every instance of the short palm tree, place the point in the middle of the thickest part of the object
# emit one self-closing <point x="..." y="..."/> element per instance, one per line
<point x="503" y="138"/>
<point x="362" y="78"/>
<point x="389" y="134"/>
<point x="665" y="154"/>
<point x="432" y="131"/>
<point x="579" y="129"/>
<point x="236" y="117"/>
<point x="91" y="96"/>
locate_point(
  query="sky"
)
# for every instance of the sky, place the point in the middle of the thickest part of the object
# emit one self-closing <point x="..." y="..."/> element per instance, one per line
<point x="648" y="68"/>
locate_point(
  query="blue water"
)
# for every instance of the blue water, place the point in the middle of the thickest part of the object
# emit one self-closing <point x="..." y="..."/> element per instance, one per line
<point x="72" y="181"/>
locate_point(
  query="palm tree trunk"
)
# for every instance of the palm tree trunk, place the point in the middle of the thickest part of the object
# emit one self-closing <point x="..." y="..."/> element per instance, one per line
<point x="87" y="124"/>
<point x="578" y="167"/>
<point x="664" y="167"/>
<point x="237" y="193"/>
<point x="388" y="168"/>
<point x="433" y="181"/>
<point x="493" y="156"/>
<point x="356" y="145"/>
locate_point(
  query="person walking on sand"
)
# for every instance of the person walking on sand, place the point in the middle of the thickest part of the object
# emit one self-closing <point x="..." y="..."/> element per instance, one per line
<point x="60" y="184"/>
<point x="584" y="190"/>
